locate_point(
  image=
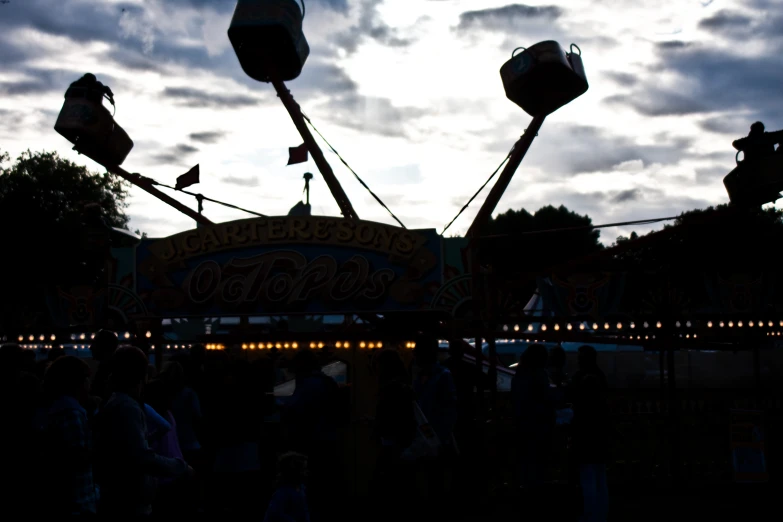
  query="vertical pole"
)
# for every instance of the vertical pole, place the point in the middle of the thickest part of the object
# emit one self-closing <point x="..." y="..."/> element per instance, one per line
<point x="318" y="157"/>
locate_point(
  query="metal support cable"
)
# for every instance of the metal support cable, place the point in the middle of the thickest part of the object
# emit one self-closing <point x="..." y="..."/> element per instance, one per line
<point x="353" y="171"/>
<point x="474" y="196"/>
<point x="200" y="197"/>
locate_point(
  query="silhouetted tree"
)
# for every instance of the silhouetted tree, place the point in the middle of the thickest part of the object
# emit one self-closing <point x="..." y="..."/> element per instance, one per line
<point x="42" y="197"/>
<point x="722" y="237"/>
<point x="517" y="240"/>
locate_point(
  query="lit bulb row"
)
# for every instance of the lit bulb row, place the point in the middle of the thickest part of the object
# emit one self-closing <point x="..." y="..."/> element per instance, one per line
<point x="217" y="347"/>
<point x="269" y="346"/>
<point x="176" y="346"/>
<point x="773" y="334"/>
<point x="620" y="326"/>
<point x="74" y="337"/>
<point x="740" y="324"/>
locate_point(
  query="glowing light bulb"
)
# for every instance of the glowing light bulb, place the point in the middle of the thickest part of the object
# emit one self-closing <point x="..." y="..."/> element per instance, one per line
<point x="516" y="327"/>
<point x="320" y="345"/>
<point x="252" y="346"/>
<point x="81" y="336"/>
<point x="312" y="345"/>
<point x="595" y="326"/>
<point x="709" y="324"/>
<point x="633" y="325"/>
<point x="557" y="327"/>
<point x="543" y="328"/>
<point x="769" y="324"/>
<point x="658" y="324"/>
<point x="606" y="326"/>
<point x="338" y="344"/>
<point x="739" y="323"/>
<point x="581" y="326"/>
<point x="569" y="326"/>
<point x="380" y="345"/>
<point x="750" y="323"/>
<point x="21" y="338"/>
<point x="32" y="338"/>
<point x="346" y="344"/>
<point x="295" y="345"/>
<point x="530" y="328"/>
<point x="278" y="346"/>
<point x="731" y="324"/>
<point x="362" y="344"/>
<point x="41" y="338"/>
<point x="244" y="346"/>
<point x="677" y="324"/>
<point x="127" y="335"/>
<point x="619" y="326"/>
<point x="371" y="345"/>
<point x="148" y="334"/>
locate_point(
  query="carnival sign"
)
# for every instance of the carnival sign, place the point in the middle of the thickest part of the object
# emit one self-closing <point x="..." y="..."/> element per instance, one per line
<point x="289" y="265"/>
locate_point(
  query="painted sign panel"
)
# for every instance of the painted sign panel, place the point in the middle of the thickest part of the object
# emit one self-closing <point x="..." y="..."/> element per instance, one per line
<point x="289" y="265"/>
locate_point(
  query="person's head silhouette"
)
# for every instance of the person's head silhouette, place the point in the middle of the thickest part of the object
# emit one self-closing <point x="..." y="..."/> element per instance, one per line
<point x="756" y="129"/>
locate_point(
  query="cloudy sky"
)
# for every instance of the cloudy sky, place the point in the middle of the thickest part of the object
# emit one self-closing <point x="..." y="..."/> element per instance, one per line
<point x="409" y="92"/>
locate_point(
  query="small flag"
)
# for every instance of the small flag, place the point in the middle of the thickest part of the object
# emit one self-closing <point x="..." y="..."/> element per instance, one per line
<point x="187" y="179"/>
<point x="297" y="154"/>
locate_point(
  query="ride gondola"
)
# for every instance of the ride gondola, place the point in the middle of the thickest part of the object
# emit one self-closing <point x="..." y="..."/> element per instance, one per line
<point x="758" y="177"/>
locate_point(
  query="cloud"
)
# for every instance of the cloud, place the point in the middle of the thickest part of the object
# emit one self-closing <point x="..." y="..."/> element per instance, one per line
<point x="506" y="18"/>
<point x="183" y="148"/>
<point x="710" y="80"/>
<point x="711" y="175"/>
<point x="44" y="81"/>
<point x="573" y="149"/>
<point x="176" y="155"/>
<point x="197" y="98"/>
<point x="242" y="182"/>
<point x="370" y="25"/>
<point x="372" y="114"/>
<point x="207" y="137"/>
<point x="725" y="20"/>
<point x="626" y="195"/>
<point x="623" y="79"/>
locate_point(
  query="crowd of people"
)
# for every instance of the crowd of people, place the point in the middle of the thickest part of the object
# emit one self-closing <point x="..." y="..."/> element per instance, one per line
<point x="203" y="436"/>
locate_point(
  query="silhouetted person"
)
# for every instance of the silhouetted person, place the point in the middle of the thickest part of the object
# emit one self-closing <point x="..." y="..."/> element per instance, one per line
<point x="20" y="396"/>
<point x="125" y="463"/>
<point x="55" y="353"/>
<point x="467" y="379"/>
<point x="311" y="416"/>
<point x="237" y="427"/>
<point x="68" y="438"/>
<point x="556" y="367"/>
<point x="172" y="498"/>
<point x="758" y="143"/>
<point x="590" y="434"/>
<point x="436" y="395"/>
<point x="396" y="428"/>
<point x="103" y="347"/>
<point x="534" y="416"/>
<point x="289" y="503"/>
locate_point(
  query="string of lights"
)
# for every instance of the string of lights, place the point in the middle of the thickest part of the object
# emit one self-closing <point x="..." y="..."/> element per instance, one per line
<point x="353" y="171"/>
